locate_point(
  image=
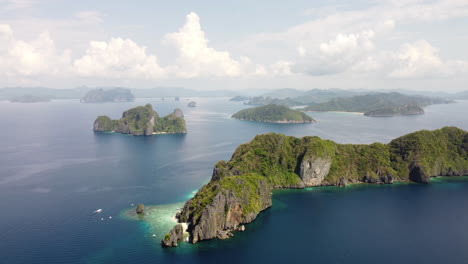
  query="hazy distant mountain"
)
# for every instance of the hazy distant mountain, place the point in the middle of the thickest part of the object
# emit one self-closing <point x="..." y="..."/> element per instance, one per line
<point x="78" y="93"/>
<point x="260" y="100"/>
<point x="284" y="93"/>
<point x="11" y="92"/>
<point x="460" y="96"/>
<point x="180" y="92"/>
<point x="309" y="96"/>
<point x="369" y="102"/>
<point x="111" y="95"/>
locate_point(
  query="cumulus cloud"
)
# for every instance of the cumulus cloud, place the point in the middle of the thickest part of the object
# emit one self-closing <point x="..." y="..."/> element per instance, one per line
<point x="118" y="58"/>
<point x="421" y="60"/>
<point x="30" y="58"/>
<point x="336" y="55"/>
<point x="196" y="58"/>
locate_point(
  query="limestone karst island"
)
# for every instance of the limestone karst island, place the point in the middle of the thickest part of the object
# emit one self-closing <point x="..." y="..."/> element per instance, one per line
<point x="143" y="121"/>
<point x="242" y="187"/>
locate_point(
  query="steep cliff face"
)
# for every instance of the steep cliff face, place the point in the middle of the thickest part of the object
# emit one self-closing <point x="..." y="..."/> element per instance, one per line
<point x="224" y="205"/>
<point x="314" y="170"/>
<point x="241" y="188"/>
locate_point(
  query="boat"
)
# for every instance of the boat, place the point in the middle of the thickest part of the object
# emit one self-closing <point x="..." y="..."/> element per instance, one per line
<point x="97" y="211"/>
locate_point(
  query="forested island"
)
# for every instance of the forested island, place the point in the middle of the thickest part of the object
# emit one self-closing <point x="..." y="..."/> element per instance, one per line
<point x="409" y="109"/>
<point x="30" y="99"/>
<point x="143" y="121"/>
<point x="242" y="187"/>
<point x="385" y="103"/>
<point x="111" y="95"/>
<point x="273" y="114"/>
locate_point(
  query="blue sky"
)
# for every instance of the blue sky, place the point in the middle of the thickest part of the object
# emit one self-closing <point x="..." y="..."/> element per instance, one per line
<point x="375" y="44"/>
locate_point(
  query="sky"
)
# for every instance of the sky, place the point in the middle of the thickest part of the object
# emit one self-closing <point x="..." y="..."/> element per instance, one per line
<point x="235" y="45"/>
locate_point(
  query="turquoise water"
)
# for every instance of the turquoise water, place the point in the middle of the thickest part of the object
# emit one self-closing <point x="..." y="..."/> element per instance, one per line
<point x="55" y="171"/>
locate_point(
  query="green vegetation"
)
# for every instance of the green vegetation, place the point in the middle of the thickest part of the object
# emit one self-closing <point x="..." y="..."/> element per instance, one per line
<point x="112" y="95"/>
<point x="142" y="120"/>
<point x="274" y="114"/>
<point x="171" y="124"/>
<point x="278" y="157"/>
<point x="409" y="109"/>
<point x="241" y="188"/>
<point x="370" y="102"/>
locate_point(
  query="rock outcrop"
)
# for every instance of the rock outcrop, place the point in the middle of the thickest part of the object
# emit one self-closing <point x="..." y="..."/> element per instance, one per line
<point x="178" y="112"/>
<point x="173" y="237"/>
<point x="140" y="209"/>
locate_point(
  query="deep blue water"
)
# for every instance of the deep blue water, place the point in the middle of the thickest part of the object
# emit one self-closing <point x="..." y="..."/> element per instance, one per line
<point x="54" y="171"/>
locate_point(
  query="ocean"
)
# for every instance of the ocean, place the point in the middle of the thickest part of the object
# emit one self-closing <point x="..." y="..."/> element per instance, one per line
<point x="55" y="172"/>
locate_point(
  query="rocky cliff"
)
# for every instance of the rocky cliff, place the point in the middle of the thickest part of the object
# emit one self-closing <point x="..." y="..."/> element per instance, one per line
<point x="241" y="188"/>
<point x="142" y="121"/>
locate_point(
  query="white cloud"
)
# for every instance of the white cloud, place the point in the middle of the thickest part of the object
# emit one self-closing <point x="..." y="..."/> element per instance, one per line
<point x="342" y="52"/>
<point x="196" y="58"/>
<point x="421" y="60"/>
<point x="30" y="58"/>
<point x="89" y="17"/>
<point x="118" y="58"/>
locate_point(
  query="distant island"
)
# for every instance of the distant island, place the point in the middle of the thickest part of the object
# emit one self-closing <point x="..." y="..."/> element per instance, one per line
<point x="111" y="95"/>
<point x="143" y="121"/>
<point x="30" y="99"/>
<point x="409" y="109"/>
<point x="260" y="100"/>
<point x="239" y="98"/>
<point x="273" y="114"/>
<point x="242" y="187"/>
<point x="192" y="104"/>
<point x="378" y="104"/>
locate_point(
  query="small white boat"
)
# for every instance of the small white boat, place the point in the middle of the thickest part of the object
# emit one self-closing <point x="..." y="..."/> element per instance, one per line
<point x="110" y="217"/>
<point x="97" y="211"/>
<point x="154" y="235"/>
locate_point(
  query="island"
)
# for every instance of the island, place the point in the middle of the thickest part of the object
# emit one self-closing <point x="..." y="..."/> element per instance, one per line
<point x="30" y="99"/>
<point x="273" y="113"/>
<point x="409" y="109"/>
<point x="241" y="188"/>
<point x="380" y="102"/>
<point x="143" y="121"/>
<point x="192" y="104"/>
<point x="239" y="98"/>
<point x="112" y="95"/>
